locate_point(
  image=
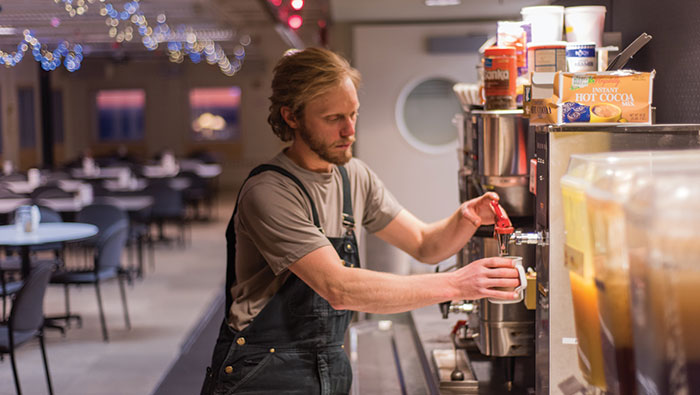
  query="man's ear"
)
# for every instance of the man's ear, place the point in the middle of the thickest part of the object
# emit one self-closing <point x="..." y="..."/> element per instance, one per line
<point x="289" y="117"/>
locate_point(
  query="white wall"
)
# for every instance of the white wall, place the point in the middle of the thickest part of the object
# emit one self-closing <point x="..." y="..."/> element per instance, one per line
<point x="389" y="57"/>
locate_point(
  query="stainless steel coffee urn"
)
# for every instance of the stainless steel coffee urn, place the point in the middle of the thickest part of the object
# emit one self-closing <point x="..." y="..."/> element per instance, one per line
<point x="496" y="149"/>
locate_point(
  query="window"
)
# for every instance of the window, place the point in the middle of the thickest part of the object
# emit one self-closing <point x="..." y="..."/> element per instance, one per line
<point x="424" y="115"/>
<point x="120" y="114"/>
<point x="27" y="122"/>
<point x="215" y="113"/>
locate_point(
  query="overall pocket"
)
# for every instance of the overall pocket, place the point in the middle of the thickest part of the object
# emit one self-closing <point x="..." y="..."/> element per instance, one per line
<point x="246" y="367"/>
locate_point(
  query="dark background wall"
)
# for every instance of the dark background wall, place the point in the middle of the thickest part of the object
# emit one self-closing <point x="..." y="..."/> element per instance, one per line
<point x="674" y="51"/>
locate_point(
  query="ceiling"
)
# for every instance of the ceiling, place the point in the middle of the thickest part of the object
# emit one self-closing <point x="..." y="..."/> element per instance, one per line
<point x="416" y="11"/>
<point x="225" y="22"/>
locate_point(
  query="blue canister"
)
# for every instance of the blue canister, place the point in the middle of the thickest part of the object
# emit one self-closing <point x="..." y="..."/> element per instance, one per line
<point x="580" y="57"/>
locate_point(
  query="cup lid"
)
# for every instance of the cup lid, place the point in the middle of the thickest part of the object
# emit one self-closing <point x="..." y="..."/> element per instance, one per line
<point x="495" y="51"/>
<point x="547" y="44"/>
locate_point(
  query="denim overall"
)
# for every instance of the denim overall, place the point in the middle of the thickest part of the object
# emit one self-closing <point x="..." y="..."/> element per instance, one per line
<point x="295" y="344"/>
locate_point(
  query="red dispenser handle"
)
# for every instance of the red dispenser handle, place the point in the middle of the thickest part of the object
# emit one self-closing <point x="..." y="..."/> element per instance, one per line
<point x="503" y="224"/>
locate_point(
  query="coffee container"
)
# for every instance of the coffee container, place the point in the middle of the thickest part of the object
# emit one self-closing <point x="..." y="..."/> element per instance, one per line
<point x="500" y="72"/>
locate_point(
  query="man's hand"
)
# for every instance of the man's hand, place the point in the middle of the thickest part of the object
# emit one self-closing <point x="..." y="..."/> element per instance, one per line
<point x="478" y="211"/>
<point x="477" y="279"/>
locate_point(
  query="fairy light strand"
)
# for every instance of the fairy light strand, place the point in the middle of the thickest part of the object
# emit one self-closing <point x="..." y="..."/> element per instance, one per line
<point x="181" y="42"/>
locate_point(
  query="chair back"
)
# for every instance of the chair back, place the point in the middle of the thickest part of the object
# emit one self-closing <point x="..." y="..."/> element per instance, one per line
<point x="111" y="245"/>
<point x="49" y="215"/>
<point x="104" y="216"/>
<point x="168" y="201"/>
<point x="113" y="230"/>
<point x="28" y="307"/>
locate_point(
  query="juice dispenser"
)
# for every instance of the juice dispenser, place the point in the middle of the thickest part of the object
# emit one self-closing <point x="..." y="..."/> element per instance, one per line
<point x="613" y="177"/>
<point x="663" y="250"/>
<point x="578" y="257"/>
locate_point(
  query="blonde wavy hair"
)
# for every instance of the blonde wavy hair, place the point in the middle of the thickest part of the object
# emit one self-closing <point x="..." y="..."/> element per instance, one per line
<point x="301" y="76"/>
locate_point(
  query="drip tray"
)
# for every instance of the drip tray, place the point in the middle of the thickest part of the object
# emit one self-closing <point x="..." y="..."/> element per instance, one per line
<point x="444" y="361"/>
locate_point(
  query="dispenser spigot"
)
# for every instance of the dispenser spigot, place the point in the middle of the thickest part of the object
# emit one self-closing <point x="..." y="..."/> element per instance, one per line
<point x="502" y="230"/>
<point x="538" y="238"/>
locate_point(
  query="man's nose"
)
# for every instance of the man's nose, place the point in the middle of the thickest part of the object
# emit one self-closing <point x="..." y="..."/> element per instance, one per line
<point x="348" y="128"/>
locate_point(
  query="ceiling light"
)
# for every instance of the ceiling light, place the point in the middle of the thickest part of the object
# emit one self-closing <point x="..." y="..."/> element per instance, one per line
<point x="440" y="3"/>
<point x="297" y="4"/>
<point x="295" y="22"/>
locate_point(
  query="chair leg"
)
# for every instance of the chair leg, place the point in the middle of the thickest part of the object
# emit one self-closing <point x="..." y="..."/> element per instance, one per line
<point x="124" y="305"/>
<point x="140" y="255"/>
<point x="46" y="362"/>
<point x="14" y="369"/>
<point x="4" y="304"/>
<point x="182" y="233"/>
<point x="152" y="253"/>
<point x="102" y="313"/>
<point x="66" y="298"/>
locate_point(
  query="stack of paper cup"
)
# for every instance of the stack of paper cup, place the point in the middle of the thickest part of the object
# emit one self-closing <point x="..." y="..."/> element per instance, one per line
<point x="547" y="22"/>
<point x="585" y="23"/>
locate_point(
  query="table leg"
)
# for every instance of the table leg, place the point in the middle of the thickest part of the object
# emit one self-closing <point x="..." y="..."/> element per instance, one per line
<point x="26" y="261"/>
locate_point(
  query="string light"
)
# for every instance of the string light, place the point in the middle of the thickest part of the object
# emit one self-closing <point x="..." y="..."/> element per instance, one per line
<point x="182" y="42"/>
<point x="69" y="55"/>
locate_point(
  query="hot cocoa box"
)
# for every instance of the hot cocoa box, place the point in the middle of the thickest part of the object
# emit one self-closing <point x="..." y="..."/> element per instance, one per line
<point x="603" y="97"/>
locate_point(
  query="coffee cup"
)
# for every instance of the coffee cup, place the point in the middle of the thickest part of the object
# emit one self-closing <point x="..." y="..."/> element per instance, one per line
<point x="518" y="265"/>
<point x="605" y="112"/>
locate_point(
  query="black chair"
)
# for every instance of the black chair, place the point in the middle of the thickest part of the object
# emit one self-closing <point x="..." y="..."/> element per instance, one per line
<point x="108" y="245"/>
<point x="8" y="287"/>
<point x="169" y="206"/>
<point x="27" y="320"/>
<point x="197" y="194"/>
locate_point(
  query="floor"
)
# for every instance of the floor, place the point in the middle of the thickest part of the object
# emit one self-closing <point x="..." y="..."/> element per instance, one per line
<point x="165" y="307"/>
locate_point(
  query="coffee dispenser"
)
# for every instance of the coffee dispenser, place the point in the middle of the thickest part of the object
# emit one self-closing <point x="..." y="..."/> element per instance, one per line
<point x="496" y="147"/>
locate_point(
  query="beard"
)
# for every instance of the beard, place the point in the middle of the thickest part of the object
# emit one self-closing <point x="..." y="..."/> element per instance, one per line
<point x="325" y="151"/>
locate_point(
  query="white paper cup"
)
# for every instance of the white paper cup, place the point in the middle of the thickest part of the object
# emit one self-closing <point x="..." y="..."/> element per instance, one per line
<point x="585" y="23"/>
<point x="547" y="22"/>
<point x="518" y="262"/>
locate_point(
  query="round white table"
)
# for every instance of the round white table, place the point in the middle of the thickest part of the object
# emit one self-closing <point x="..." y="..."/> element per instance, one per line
<point x="50" y="232"/>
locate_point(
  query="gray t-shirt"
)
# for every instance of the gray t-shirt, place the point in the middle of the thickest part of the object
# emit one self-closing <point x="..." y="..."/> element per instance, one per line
<point x="274" y="226"/>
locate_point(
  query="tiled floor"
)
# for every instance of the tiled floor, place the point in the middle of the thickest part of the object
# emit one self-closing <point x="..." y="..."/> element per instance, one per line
<point x="164" y="307"/>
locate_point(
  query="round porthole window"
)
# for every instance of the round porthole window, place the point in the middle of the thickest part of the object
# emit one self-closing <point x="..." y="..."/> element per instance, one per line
<point x="424" y="114"/>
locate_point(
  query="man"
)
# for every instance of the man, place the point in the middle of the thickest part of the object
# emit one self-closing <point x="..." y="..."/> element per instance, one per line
<point x="294" y="276"/>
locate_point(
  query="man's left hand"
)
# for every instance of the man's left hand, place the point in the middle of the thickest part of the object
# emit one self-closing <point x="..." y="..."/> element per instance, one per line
<point x="478" y="211"/>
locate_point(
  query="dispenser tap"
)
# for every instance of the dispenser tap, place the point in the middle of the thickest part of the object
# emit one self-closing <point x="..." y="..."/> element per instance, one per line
<point x="502" y="230"/>
<point x="520" y="238"/>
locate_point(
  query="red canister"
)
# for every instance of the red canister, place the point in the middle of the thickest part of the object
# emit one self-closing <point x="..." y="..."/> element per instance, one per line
<point x="500" y="72"/>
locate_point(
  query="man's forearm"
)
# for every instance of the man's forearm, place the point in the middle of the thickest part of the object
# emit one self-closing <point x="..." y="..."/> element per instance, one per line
<point x="444" y="238"/>
<point x="385" y="293"/>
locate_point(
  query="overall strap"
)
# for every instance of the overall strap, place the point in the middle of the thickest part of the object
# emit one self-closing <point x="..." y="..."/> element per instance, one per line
<point x="348" y="219"/>
<point x="292" y="177"/>
<point x="231" y="233"/>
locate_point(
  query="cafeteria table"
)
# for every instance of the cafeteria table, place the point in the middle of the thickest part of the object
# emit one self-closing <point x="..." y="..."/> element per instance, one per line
<point x="51" y="232"/>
